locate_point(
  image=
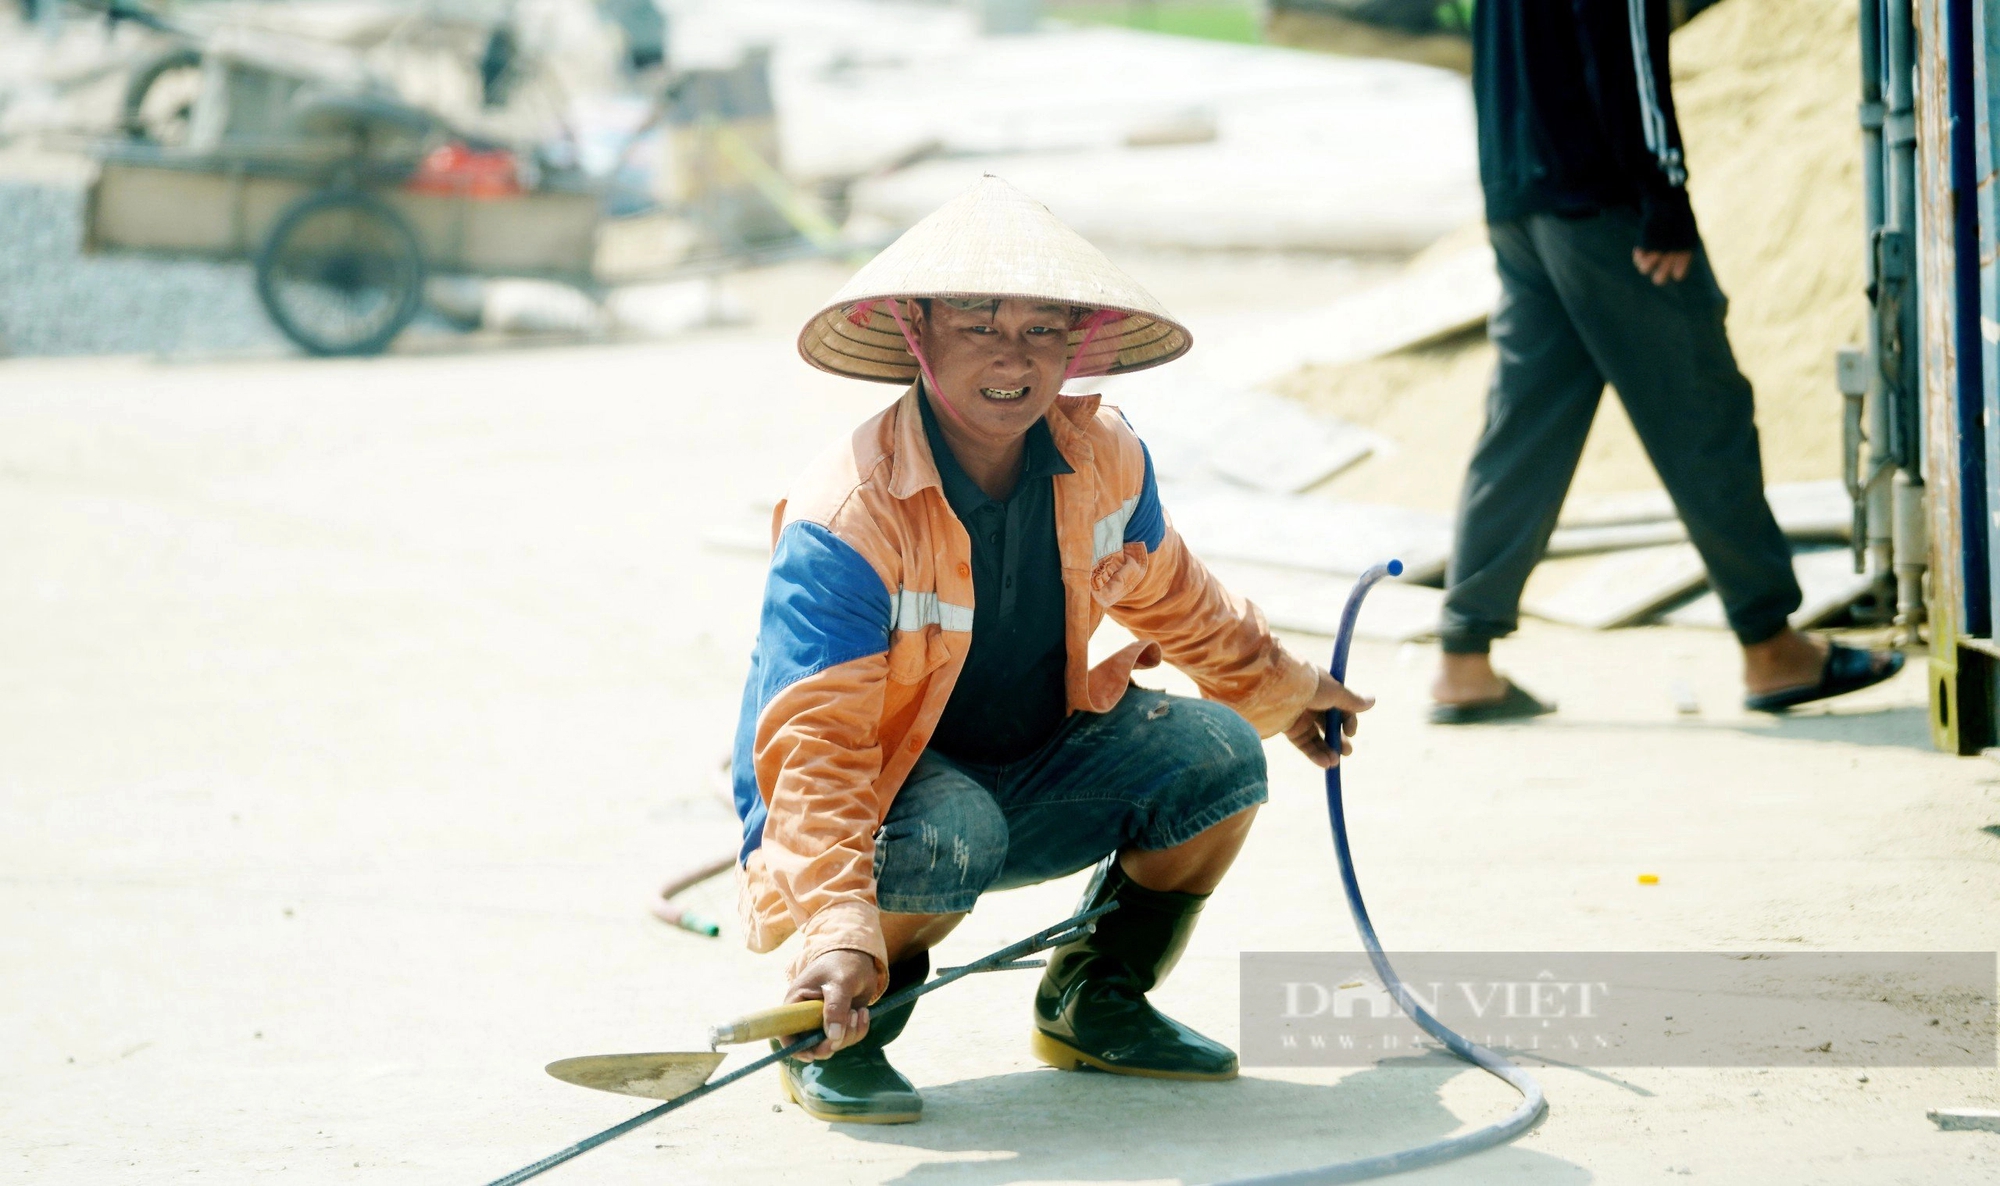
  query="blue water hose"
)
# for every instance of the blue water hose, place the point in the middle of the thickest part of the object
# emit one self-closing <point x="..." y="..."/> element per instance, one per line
<point x="1533" y="1107"/>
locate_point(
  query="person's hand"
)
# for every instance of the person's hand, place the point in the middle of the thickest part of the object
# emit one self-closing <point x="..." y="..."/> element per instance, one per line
<point x="846" y="981"/>
<point x="1662" y="267"/>
<point x="1309" y="731"/>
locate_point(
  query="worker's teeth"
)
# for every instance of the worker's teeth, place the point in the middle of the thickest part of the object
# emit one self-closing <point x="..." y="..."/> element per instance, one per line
<point x="1003" y="393"/>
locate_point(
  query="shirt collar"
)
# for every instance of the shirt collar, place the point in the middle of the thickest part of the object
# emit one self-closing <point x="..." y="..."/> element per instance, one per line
<point x="1040" y="459"/>
<point x="913" y="464"/>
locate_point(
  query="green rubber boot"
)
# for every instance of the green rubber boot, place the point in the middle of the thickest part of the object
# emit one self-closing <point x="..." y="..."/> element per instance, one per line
<point x="1091" y="1009"/>
<point x="857" y="1085"/>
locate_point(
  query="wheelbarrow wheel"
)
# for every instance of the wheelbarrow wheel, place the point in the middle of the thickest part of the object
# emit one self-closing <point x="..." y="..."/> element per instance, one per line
<point x="159" y="98"/>
<point x="341" y="273"/>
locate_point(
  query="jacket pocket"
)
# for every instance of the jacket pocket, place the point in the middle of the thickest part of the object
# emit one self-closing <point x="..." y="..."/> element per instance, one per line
<point x="1112" y="577"/>
<point x="914" y="654"/>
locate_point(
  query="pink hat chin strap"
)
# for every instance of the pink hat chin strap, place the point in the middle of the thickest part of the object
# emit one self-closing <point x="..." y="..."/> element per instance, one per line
<point x="923" y="364"/>
<point x="1091" y="325"/>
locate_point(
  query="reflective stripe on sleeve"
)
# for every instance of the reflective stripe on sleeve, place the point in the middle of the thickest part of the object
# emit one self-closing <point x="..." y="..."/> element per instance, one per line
<point x="1107" y="535"/>
<point x="914" y="611"/>
<point x="1652" y="120"/>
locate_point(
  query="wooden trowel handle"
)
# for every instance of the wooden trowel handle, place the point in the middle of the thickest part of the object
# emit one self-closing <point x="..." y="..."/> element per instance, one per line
<point x="796" y="1018"/>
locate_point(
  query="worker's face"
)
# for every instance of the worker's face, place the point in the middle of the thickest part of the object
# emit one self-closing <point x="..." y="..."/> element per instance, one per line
<point x="999" y="364"/>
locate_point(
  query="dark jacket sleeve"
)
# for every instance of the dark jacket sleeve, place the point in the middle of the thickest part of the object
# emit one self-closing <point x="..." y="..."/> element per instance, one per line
<point x="1624" y="45"/>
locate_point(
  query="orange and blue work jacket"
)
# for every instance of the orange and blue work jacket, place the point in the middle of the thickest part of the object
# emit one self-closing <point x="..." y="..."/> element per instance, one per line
<point x="866" y="623"/>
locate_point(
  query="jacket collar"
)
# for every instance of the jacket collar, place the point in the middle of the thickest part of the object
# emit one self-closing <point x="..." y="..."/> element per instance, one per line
<point x="912" y="467"/>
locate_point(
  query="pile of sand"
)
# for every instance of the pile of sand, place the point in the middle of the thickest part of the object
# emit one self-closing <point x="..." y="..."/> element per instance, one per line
<point x="1766" y="91"/>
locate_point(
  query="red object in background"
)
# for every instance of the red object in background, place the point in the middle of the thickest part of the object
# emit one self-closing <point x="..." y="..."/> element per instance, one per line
<point x="455" y="170"/>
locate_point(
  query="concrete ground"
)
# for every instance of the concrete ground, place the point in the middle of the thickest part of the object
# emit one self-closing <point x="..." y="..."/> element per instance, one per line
<point x="352" y="711"/>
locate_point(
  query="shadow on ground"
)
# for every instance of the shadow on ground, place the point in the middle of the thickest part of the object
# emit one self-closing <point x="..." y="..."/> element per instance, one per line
<point x="1904" y="728"/>
<point x="1056" y="1126"/>
<point x="1909" y="728"/>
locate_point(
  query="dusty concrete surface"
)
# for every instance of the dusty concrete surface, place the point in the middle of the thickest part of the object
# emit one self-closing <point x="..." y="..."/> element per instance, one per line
<point x="352" y="710"/>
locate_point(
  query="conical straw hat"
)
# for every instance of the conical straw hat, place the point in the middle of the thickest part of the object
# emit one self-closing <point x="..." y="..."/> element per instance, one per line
<point x="991" y="241"/>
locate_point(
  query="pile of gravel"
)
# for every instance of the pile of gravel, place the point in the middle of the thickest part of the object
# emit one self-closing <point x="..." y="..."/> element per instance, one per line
<point x="56" y="300"/>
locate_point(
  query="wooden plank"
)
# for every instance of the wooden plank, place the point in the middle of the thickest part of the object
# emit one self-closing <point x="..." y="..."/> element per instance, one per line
<point x="1281" y="448"/>
<point x="1965" y="1119"/>
<point x="1812" y="510"/>
<point x="1806" y="511"/>
<point x="1622" y="588"/>
<point x="1197" y="429"/>
<point x="1311" y="602"/>
<point x="1313" y="534"/>
<point x="1829" y="584"/>
<point x="1613" y="537"/>
<point x="136" y="208"/>
<point x="1826" y="577"/>
<point x="1616" y="509"/>
<point x="1422" y="305"/>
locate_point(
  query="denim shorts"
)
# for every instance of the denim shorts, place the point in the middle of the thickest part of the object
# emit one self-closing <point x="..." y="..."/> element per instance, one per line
<point x="1154" y="772"/>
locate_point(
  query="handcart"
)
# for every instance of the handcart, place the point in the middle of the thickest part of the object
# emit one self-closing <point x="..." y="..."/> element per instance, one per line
<point x="289" y="154"/>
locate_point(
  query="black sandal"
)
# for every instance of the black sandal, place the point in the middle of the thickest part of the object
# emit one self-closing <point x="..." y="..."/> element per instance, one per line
<point x="1848" y="669"/>
<point x="1516" y="705"/>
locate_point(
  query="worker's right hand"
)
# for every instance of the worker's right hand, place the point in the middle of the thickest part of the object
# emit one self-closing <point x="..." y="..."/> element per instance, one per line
<point x="1662" y="267"/>
<point x="1308" y="732"/>
<point x="846" y="981"/>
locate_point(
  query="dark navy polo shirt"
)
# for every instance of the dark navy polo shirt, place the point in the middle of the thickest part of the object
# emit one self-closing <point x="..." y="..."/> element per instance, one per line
<point x="1010" y="699"/>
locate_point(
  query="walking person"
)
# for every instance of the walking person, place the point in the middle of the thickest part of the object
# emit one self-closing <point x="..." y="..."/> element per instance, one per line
<point x="1604" y="280"/>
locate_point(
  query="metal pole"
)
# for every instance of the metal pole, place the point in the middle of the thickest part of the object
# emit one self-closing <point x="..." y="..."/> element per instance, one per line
<point x="1900" y="132"/>
<point x="1889" y="486"/>
<point x="1901" y="493"/>
<point x="1863" y="387"/>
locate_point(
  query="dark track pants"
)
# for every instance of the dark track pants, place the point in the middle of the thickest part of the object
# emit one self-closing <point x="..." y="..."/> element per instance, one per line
<point x="1574" y="314"/>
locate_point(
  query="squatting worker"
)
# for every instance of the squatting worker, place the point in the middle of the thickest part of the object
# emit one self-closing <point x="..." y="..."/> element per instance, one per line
<point x="1603" y="279"/>
<point x="921" y="722"/>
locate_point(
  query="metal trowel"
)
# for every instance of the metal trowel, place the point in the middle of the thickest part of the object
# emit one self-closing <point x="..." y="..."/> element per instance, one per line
<point x="671" y="1075"/>
<point x="680" y="1079"/>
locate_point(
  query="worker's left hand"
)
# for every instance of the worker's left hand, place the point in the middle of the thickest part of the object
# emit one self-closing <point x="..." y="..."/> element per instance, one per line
<point x="1662" y="267"/>
<point x="1309" y="731"/>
